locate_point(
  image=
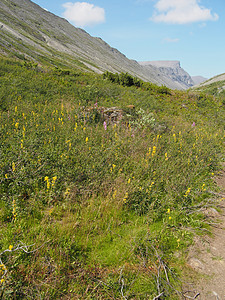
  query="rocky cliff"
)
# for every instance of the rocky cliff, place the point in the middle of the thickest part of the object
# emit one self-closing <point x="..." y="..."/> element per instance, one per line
<point x="172" y="70"/>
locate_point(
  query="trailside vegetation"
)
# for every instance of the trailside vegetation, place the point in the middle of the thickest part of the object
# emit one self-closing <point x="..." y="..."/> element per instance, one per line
<point x="126" y="79"/>
<point x="97" y="206"/>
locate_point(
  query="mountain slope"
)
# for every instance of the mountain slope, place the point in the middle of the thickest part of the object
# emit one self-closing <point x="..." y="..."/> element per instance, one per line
<point x="216" y="79"/>
<point x="214" y="85"/>
<point x="198" y="79"/>
<point x="172" y="70"/>
<point x="30" y="32"/>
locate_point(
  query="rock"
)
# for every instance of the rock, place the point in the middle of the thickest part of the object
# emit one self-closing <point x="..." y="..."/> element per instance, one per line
<point x="112" y="114"/>
<point x="196" y="264"/>
<point x="212" y="212"/>
<point x="172" y="70"/>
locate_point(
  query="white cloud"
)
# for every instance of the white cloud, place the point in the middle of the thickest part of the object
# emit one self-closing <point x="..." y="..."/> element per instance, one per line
<point x="83" y="14"/>
<point x="170" y="40"/>
<point x="182" y="12"/>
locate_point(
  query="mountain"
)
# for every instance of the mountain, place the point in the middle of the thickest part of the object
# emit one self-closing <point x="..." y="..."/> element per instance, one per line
<point x="31" y="33"/>
<point x="198" y="79"/>
<point x="172" y="70"/>
<point x="216" y="80"/>
<point x="214" y="85"/>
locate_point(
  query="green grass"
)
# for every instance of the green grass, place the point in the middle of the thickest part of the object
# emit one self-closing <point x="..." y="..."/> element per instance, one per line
<point x="215" y="89"/>
<point x="104" y="209"/>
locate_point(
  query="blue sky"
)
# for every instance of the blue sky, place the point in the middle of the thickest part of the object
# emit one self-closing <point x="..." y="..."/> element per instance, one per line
<point x="191" y="31"/>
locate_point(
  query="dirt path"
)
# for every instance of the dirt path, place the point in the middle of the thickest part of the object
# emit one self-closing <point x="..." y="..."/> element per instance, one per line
<point x="207" y="256"/>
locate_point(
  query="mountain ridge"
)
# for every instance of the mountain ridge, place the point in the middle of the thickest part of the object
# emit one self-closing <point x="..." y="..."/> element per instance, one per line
<point x="198" y="79"/>
<point x="215" y="79"/>
<point x="172" y="69"/>
<point x="30" y="32"/>
<point x="214" y="86"/>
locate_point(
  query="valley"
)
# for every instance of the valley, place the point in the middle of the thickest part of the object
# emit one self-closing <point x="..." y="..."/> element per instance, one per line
<point x="107" y="167"/>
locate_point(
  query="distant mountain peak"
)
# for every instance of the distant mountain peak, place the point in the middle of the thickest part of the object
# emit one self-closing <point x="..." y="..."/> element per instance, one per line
<point x="198" y="79"/>
<point x="171" y="69"/>
<point x="162" y="63"/>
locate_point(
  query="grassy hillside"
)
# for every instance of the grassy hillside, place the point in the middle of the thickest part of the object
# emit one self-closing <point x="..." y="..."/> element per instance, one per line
<point x="93" y="208"/>
<point x="214" y="86"/>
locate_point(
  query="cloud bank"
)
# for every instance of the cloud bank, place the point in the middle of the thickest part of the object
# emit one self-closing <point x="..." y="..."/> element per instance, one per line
<point x="182" y="12"/>
<point x="83" y="14"/>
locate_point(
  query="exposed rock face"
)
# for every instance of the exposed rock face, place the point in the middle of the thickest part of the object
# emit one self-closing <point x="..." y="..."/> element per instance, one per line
<point x="173" y="64"/>
<point x="172" y="70"/>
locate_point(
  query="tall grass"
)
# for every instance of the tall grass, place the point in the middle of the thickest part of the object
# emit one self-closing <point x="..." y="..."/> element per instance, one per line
<point x="103" y="205"/>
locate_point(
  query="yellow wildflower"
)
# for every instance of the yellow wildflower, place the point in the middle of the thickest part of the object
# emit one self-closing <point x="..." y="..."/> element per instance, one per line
<point x="54" y="180"/>
<point x="125" y="197"/>
<point x="10" y="247"/>
<point x="149" y="151"/>
<point x="67" y="191"/>
<point x="150" y="187"/>
<point x="187" y="192"/>
<point x="153" y="151"/>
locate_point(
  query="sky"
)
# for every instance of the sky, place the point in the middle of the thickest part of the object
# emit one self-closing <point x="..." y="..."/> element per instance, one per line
<point x="191" y="31"/>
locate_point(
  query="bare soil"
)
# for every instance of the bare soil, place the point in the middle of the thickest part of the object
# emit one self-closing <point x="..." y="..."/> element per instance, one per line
<point x="206" y="257"/>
